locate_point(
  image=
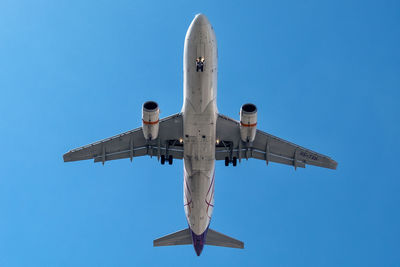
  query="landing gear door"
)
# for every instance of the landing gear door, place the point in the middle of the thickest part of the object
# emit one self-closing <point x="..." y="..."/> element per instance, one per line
<point x="201" y="49"/>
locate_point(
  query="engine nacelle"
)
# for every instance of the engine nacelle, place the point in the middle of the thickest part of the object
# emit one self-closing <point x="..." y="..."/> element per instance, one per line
<point x="150" y="120"/>
<point x="248" y="122"/>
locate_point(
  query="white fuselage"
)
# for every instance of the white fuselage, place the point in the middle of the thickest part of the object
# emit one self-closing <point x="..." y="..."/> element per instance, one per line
<point x="199" y="123"/>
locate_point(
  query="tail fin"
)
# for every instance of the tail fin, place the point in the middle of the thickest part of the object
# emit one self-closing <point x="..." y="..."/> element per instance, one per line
<point x="217" y="239"/>
<point x="183" y="237"/>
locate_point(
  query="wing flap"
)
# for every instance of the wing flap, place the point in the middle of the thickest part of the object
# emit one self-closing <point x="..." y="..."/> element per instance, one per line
<point x="122" y="155"/>
<point x="278" y="159"/>
<point x="221" y="154"/>
<point x="175" y="153"/>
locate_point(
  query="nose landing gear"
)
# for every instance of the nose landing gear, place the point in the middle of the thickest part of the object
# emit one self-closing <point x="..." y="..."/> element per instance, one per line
<point x="199" y="64"/>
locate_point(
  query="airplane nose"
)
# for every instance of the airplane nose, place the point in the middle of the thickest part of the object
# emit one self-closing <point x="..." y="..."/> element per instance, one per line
<point x="200" y="19"/>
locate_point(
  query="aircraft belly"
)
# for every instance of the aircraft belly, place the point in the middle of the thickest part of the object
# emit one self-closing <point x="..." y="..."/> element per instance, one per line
<point x="199" y="125"/>
<point x="199" y="198"/>
<point x="199" y="165"/>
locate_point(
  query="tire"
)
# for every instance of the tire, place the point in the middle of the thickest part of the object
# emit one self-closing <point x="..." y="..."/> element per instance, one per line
<point x="162" y="159"/>
<point x="170" y="160"/>
<point x="234" y="162"/>
<point x="226" y="161"/>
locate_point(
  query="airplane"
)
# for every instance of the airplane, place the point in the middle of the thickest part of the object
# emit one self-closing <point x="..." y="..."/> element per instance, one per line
<point x="199" y="135"/>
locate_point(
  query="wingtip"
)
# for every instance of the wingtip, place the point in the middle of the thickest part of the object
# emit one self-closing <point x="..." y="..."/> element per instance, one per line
<point x="334" y="165"/>
<point x="66" y="157"/>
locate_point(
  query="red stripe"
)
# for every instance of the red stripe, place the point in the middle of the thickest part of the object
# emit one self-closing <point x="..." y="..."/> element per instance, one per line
<point x="212" y="181"/>
<point x="186" y="183"/>
<point x="209" y="204"/>
<point x="248" y="125"/>
<point x="150" y="122"/>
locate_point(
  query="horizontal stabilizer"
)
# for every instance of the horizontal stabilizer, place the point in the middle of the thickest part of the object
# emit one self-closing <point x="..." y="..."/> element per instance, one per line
<point x="183" y="237"/>
<point x="217" y="239"/>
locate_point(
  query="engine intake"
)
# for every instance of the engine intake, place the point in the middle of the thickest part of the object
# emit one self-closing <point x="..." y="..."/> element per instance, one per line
<point x="150" y="120"/>
<point x="248" y="122"/>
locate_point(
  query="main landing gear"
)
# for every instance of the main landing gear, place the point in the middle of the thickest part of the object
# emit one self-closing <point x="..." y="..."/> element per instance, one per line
<point x="233" y="161"/>
<point x="170" y="159"/>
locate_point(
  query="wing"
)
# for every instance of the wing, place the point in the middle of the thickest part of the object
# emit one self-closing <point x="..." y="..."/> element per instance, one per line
<point x="265" y="147"/>
<point x="133" y="144"/>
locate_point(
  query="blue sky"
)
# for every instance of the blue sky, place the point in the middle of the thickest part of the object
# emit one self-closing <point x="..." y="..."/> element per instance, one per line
<point x="324" y="75"/>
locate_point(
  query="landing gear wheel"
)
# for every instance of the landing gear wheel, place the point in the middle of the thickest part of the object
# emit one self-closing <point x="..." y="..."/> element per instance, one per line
<point x="234" y="162"/>
<point x="170" y="160"/>
<point x="226" y="161"/>
<point x="162" y="159"/>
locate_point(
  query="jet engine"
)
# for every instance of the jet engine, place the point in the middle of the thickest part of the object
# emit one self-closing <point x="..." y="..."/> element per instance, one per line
<point x="248" y="122"/>
<point x="150" y="120"/>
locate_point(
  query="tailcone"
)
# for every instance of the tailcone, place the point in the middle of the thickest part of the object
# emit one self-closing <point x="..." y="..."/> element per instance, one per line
<point x="199" y="241"/>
